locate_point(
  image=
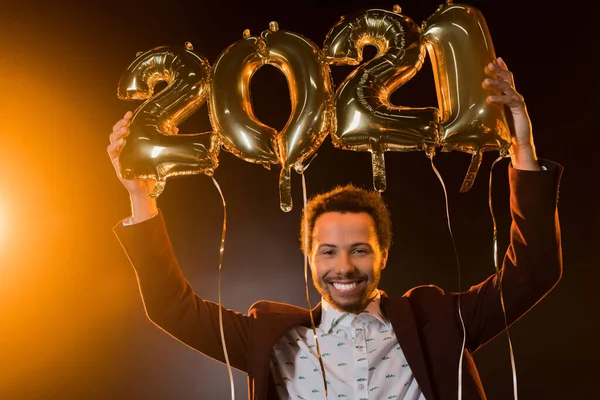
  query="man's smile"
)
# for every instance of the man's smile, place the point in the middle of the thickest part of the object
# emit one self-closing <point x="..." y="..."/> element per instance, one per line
<point x="347" y="287"/>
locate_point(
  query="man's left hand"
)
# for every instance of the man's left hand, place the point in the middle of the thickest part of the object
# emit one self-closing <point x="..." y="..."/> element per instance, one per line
<point x="522" y="148"/>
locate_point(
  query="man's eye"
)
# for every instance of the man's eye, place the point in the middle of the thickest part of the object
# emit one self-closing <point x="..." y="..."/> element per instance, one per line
<point x="360" y="251"/>
<point x="327" y="252"/>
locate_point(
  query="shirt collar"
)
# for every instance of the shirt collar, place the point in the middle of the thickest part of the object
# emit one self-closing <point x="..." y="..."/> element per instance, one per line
<point x="332" y="317"/>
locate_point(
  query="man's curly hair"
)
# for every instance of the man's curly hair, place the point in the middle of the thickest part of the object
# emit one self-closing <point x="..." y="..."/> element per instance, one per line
<point x="348" y="199"/>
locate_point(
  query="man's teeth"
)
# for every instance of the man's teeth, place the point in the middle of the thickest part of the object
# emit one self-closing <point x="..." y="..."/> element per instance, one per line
<point x="345" y="286"/>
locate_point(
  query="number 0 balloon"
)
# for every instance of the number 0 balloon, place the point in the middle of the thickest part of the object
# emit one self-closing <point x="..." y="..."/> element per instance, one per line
<point x="311" y="96"/>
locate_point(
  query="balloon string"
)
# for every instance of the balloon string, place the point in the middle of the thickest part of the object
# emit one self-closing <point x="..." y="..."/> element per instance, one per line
<point x="221" y="250"/>
<point x="462" y="322"/>
<point x="312" y="320"/>
<point x="499" y="280"/>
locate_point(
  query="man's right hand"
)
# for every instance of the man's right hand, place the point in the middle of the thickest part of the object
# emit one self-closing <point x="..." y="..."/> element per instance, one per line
<point x="135" y="187"/>
<point x="142" y="206"/>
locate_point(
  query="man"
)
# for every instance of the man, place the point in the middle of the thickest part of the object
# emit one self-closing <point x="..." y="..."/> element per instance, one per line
<point x="371" y="346"/>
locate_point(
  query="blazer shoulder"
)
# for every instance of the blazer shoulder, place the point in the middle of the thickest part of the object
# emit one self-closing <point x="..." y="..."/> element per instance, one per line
<point x="428" y="302"/>
<point x="274" y="308"/>
<point x="424" y="292"/>
<point x="427" y="298"/>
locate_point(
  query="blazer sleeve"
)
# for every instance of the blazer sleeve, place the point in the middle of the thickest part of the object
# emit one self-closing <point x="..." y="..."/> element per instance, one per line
<point x="532" y="265"/>
<point x="170" y="301"/>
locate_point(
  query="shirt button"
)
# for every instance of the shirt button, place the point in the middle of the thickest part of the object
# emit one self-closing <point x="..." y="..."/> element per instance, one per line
<point x="356" y="320"/>
<point x="361" y="386"/>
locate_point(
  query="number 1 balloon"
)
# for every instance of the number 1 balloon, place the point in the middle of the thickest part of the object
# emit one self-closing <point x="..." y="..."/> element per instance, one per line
<point x="460" y="47"/>
<point x="152" y="150"/>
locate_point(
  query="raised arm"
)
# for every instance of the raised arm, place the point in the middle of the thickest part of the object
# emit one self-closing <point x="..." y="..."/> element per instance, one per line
<point x="169" y="300"/>
<point x="532" y="265"/>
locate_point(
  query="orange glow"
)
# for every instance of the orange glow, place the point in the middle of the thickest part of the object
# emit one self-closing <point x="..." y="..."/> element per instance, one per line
<point x="3" y="226"/>
<point x="66" y="288"/>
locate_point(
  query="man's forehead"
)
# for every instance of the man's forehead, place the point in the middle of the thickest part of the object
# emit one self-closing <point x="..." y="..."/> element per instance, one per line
<point x="335" y="223"/>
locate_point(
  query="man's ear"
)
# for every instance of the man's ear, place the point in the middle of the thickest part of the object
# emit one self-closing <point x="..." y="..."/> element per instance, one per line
<point x="384" y="258"/>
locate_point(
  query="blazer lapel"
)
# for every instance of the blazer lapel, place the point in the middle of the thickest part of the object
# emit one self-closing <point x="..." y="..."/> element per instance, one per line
<point x="273" y="328"/>
<point x="285" y="322"/>
<point x="399" y="312"/>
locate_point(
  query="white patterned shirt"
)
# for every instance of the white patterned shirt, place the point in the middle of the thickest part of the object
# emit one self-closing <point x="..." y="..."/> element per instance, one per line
<point x="361" y="354"/>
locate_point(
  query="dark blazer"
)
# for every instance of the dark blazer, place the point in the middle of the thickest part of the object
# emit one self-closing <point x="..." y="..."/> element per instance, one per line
<point x="426" y="320"/>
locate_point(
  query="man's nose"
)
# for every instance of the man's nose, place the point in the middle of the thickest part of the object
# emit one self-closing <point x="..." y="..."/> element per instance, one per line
<point x="344" y="264"/>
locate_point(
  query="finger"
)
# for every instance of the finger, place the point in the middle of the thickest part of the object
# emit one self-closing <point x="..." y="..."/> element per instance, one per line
<point x="118" y="134"/>
<point x="506" y="99"/>
<point x="121" y="123"/>
<point x="114" y="149"/>
<point x="497" y="69"/>
<point x="501" y="63"/>
<point x="502" y="86"/>
<point x="126" y="120"/>
<point x="501" y="72"/>
<point x="176" y="130"/>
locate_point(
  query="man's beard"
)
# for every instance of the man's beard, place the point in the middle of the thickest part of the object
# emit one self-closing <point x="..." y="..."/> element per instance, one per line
<point x="368" y="293"/>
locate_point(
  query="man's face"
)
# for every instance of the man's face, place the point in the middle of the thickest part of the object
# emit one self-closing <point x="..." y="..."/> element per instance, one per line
<point x="346" y="259"/>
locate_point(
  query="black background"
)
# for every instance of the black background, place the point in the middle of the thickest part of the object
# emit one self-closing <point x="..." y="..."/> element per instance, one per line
<point x="72" y="322"/>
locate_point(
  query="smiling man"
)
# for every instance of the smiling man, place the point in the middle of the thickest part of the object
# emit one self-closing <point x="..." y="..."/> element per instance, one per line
<point x="347" y="236"/>
<point x="350" y="234"/>
<point x="367" y="345"/>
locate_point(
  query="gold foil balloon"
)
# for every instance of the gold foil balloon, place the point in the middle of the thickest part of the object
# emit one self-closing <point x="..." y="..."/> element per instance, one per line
<point x="231" y="111"/>
<point x="152" y="150"/>
<point x="460" y="47"/>
<point x="311" y="96"/>
<point x="366" y="119"/>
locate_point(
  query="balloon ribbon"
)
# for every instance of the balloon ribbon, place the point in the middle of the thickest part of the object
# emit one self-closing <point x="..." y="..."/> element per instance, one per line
<point x="221" y="250"/>
<point x="462" y="322"/>
<point x="312" y="319"/>
<point x="498" y="278"/>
